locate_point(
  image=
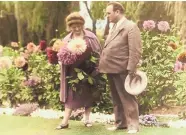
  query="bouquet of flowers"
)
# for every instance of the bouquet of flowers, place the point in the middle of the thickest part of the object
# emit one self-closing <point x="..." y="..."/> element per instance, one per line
<point x="70" y="53"/>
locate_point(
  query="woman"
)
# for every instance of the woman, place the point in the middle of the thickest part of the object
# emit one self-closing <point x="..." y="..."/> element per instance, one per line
<point x="74" y="100"/>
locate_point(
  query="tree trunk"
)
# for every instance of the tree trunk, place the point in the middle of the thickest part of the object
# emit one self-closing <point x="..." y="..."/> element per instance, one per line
<point x="19" y="23"/>
<point x="93" y="20"/>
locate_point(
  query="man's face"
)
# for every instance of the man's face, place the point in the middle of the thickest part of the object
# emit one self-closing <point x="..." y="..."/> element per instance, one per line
<point x="111" y="15"/>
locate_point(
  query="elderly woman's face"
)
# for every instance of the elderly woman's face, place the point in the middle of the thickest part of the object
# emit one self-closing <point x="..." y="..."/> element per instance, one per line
<point x="76" y="28"/>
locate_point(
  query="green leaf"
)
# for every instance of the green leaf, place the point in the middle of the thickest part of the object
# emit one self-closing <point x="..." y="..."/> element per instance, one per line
<point x="93" y="59"/>
<point x="80" y="76"/>
<point x="90" y="80"/>
<point x="77" y="70"/>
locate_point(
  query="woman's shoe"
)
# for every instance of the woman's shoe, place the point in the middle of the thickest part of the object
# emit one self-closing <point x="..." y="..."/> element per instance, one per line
<point x="88" y="124"/>
<point x="62" y="127"/>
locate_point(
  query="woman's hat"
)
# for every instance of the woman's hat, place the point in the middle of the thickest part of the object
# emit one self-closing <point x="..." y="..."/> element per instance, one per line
<point x="74" y="18"/>
<point x="137" y="84"/>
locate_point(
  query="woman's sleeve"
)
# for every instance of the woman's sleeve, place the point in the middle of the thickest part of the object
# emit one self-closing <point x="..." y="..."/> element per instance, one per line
<point x="95" y="45"/>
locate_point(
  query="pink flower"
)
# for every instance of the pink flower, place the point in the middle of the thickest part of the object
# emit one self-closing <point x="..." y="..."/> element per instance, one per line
<point x="178" y="66"/>
<point x="149" y="25"/>
<point x="77" y="46"/>
<point x="163" y="26"/>
<point x="66" y="56"/>
<point x="31" y="47"/>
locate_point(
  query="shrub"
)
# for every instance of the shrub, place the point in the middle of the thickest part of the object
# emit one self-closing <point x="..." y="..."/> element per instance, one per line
<point x="158" y="62"/>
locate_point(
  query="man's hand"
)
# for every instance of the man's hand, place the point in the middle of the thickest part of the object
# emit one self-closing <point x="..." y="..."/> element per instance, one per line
<point x="133" y="75"/>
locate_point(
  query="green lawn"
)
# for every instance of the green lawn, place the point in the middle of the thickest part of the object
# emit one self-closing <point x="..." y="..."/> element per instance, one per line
<point x="14" y="125"/>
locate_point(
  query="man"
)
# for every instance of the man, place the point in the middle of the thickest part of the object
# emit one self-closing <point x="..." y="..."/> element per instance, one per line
<point x="120" y="56"/>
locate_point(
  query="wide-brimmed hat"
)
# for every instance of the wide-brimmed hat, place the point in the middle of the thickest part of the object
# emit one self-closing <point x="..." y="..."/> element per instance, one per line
<point x="138" y="83"/>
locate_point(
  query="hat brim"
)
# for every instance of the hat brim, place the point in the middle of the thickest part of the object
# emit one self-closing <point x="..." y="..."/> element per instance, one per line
<point x="136" y="86"/>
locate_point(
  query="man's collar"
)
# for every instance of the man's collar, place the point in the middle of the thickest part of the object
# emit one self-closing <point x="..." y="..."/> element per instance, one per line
<point x="120" y="22"/>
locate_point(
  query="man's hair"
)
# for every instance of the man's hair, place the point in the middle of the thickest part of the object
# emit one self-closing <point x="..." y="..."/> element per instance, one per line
<point x="116" y="6"/>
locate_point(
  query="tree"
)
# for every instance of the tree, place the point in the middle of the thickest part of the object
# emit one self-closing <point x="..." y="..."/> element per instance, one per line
<point x="39" y="20"/>
<point x="95" y="12"/>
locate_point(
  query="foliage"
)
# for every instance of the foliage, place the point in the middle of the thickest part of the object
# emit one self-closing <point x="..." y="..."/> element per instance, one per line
<point x="10" y="88"/>
<point x="14" y="86"/>
<point x="47" y="92"/>
<point x="100" y="7"/>
<point x="158" y="63"/>
<point x="181" y="87"/>
<point x="36" y="20"/>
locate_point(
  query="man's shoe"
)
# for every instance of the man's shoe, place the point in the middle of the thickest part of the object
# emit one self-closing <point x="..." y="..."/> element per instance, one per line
<point x="133" y="131"/>
<point x="116" y="128"/>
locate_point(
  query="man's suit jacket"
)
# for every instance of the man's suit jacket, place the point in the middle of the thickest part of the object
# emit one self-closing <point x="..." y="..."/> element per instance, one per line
<point x="122" y="49"/>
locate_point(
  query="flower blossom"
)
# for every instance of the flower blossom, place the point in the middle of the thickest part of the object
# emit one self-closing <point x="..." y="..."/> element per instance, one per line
<point x="52" y="56"/>
<point x="163" y="26"/>
<point x="32" y="81"/>
<point x="178" y="66"/>
<point x="77" y="46"/>
<point x="182" y="57"/>
<point x="42" y="45"/>
<point x="5" y="62"/>
<point x="66" y="57"/>
<point x="14" y="44"/>
<point x="149" y="25"/>
<point x="173" y="45"/>
<point x="20" y="61"/>
<point x="31" y="47"/>
<point x="57" y="45"/>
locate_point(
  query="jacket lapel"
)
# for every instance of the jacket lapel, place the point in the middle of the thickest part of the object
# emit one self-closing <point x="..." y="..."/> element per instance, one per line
<point x="112" y="35"/>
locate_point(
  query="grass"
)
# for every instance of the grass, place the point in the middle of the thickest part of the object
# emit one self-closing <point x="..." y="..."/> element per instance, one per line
<point x="15" y="125"/>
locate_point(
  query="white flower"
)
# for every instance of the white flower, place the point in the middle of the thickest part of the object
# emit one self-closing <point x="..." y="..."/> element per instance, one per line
<point x="20" y="61"/>
<point x="77" y="46"/>
<point x="5" y="62"/>
<point x="14" y="44"/>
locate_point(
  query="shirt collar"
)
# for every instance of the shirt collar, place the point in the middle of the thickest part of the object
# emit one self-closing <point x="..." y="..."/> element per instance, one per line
<point x="120" y="22"/>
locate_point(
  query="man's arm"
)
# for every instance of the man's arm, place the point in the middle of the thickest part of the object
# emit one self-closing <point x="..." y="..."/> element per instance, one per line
<point x="135" y="48"/>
